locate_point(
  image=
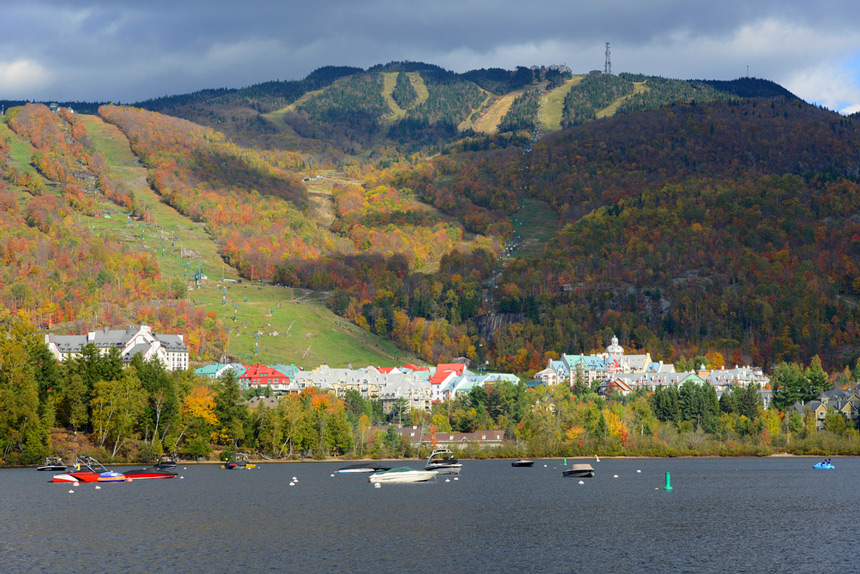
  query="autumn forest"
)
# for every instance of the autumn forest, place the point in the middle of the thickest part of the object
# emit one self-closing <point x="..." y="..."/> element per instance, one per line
<point x="463" y="216"/>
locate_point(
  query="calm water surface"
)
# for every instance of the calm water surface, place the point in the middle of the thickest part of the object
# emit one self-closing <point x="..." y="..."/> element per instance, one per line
<point x="724" y="515"/>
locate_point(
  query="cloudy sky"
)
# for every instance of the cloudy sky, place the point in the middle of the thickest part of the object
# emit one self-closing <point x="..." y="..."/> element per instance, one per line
<point x="130" y="50"/>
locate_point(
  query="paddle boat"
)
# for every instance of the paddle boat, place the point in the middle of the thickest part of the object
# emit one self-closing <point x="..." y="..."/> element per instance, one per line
<point x="824" y="465"/>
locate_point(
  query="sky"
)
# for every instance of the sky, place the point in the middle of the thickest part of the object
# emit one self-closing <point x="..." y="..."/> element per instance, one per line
<point x="130" y="50"/>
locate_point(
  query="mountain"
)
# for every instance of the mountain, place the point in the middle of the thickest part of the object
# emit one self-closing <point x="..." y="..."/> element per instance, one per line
<point x="411" y="106"/>
<point x="731" y="226"/>
<point x="501" y="215"/>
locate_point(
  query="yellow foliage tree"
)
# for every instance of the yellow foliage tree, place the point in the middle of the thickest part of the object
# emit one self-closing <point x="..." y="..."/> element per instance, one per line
<point x="200" y="404"/>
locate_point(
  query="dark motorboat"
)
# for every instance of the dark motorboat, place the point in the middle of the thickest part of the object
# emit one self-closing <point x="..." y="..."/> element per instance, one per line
<point x="53" y="463"/>
<point x="165" y="461"/>
<point x="522" y="463"/>
<point x="365" y="467"/>
<point x="443" y="462"/>
<point x="161" y="469"/>
<point x="579" y="471"/>
<point x="88" y="469"/>
<point x="238" y="460"/>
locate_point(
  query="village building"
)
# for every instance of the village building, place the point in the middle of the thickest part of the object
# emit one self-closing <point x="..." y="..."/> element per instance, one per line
<point x="259" y="376"/>
<point x="218" y="370"/>
<point x="727" y="379"/>
<point x="445" y="374"/>
<point x="416" y="437"/>
<point x="170" y="350"/>
<point x="843" y="401"/>
<point x="414" y="393"/>
<point x="625" y="383"/>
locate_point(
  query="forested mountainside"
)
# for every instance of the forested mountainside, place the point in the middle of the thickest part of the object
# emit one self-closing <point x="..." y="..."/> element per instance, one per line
<point x="732" y="226"/>
<point x="686" y="217"/>
<point x="55" y="270"/>
<point x="403" y="107"/>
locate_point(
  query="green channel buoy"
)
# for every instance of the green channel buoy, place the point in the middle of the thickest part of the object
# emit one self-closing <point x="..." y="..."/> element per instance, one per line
<point x="668" y="483"/>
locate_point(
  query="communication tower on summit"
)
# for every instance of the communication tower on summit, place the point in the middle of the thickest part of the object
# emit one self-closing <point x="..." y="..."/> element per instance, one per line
<point x="607" y="66"/>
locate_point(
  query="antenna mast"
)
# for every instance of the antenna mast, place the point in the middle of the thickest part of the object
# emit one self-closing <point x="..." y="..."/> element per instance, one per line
<point x="607" y="66"/>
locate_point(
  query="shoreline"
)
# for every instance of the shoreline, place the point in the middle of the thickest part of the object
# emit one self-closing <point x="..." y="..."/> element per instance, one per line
<point x="406" y="460"/>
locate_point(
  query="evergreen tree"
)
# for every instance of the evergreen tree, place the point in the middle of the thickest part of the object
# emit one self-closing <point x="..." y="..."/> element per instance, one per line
<point x="230" y="409"/>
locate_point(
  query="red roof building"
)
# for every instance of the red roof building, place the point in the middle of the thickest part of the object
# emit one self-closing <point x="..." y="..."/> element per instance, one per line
<point x="445" y="370"/>
<point x="258" y="375"/>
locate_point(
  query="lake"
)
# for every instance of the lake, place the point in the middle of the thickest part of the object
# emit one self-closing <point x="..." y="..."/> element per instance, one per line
<point x="723" y="515"/>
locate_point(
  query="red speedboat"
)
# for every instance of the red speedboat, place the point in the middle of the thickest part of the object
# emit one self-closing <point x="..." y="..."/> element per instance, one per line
<point x="88" y="469"/>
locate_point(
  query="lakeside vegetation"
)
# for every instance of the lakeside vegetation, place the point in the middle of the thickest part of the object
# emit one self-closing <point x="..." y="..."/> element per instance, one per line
<point x="96" y="406"/>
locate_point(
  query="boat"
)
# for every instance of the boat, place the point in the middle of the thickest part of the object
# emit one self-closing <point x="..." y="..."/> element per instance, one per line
<point x="403" y="474"/>
<point x="365" y="467"/>
<point x="238" y="460"/>
<point x="442" y="461"/>
<point x="88" y="469"/>
<point x="165" y="461"/>
<point x="579" y="471"/>
<point x="824" y="466"/>
<point x="156" y="471"/>
<point x="53" y="463"/>
<point x="522" y="463"/>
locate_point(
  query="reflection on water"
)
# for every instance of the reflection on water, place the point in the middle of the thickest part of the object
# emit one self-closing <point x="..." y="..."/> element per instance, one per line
<point x="724" y="515"/>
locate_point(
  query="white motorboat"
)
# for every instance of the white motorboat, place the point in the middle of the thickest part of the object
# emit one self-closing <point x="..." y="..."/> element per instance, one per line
<point x="442" y="461"/>
<point x="403" y="474"/>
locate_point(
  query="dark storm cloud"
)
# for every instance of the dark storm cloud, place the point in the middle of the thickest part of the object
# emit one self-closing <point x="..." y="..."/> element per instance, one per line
<point x="131" y="50"/>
